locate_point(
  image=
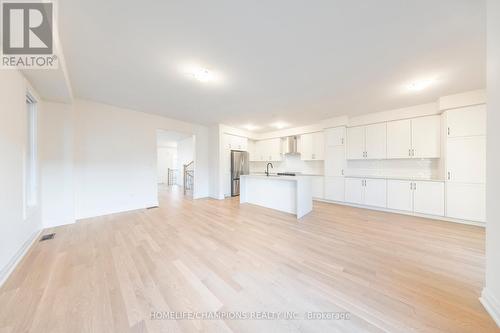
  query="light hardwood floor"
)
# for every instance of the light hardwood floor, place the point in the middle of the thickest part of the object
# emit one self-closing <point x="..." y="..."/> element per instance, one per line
<point x="390" y="272"/>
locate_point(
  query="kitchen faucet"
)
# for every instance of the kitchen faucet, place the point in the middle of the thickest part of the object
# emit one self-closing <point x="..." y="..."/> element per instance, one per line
<point x="267" y="168"/>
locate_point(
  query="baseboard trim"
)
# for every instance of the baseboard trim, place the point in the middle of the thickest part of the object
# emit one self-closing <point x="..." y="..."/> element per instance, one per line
<point x="491" y="304"/>
<point x="387" y="210"/>
<point x="9" y="268"/>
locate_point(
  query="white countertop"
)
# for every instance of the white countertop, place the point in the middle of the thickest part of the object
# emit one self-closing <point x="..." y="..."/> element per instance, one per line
<point x="398" y="178"/>
<point x="274" y="177"/>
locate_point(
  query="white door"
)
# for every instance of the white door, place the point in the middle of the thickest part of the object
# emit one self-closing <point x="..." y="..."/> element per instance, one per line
<point x="400" y="195"/>
<point x="354" y="190"/>
<point x="318" y="146"/>
<point x="376" y="141"/>
<point x="375" y="192"/>
<point x="335" y="162"/>
<point x="428" y="198"/>
<point x="466" y="121"/>
<point x="317" y="187"/>
<point x="399" y="139"/>
<point x="355" y="143"/>
<point x="335" y="136"/>
<point x="306" y="147"/>
<point x="426" y="137"/>
<point x="466" y="159"/>
<point x="334" y="188"/>
<point x="466" y="201"/>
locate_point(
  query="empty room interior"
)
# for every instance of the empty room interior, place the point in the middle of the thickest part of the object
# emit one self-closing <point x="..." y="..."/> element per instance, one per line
<point x="250" y="166"/>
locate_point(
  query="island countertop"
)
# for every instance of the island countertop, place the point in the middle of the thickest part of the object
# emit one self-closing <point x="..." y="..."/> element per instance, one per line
<point x="291" y="194"/>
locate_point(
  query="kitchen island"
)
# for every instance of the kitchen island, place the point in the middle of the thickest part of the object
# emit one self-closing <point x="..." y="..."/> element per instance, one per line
<point x="290" y="194"/>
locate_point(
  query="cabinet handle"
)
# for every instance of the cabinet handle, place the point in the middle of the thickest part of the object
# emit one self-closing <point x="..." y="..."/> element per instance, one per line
<point x="342" y="172"/>
<point x="409" y="152"/>
<point x="414" y="186"/>
<point x="448" y="131"/>
<point x="342" y="140"/>
<point x="449" y="175"/>
<point x="413" y="152"/>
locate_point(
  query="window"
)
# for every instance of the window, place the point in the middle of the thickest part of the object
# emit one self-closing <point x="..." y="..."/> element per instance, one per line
<point x="31" y="165"/>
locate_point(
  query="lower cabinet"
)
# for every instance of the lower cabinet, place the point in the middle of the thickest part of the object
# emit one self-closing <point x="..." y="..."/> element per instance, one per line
<point x="423" y="197"/>
<point x="317" y="187"/>
<point x="466" y="201"/>
<point x="428" y="198"/>
<point x="366" y="191"/>
<point x="334" y="188"/>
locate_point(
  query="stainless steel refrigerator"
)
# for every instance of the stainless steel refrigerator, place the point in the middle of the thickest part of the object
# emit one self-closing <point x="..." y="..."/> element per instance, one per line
<point x="239" y="166"/>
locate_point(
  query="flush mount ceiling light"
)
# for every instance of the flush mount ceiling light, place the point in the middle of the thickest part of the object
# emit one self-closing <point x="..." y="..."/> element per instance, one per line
<point x="251" y="127"/>
<point x="419" y="85"/>
<point x="280" y="125"/>
<point x="199" y="73"/>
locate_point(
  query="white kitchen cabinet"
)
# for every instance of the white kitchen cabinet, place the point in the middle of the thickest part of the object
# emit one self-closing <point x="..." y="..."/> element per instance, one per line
<point x="414" y="138"/>
<point x="354" y="190"/>
<point x="235" y="142"/>
<point x="423" y="197"/>
<point x="334" y="188"/>
<point x="428" y="198"/>
<point x="252" y="154"/>
<point x="335" y="136"/>
<point x="367" y="142"/>
<point x="366" y="191"/>
<point x="467" y="121"/>
<point x="335" y="162"/>
<point x="312" y="146"/>
<point x="376" y="141"/>
<point x="317" y="187"/>
<point x="399" y="139"/>
<point x="356" y="143"/>
<point x="466" y="201"/>
<point x="268" y="150"/>
<point x="466" y="159"/>
<point x="375" y="192"/>
<point x="426" y="137"/>
<point x="400" y="194"/>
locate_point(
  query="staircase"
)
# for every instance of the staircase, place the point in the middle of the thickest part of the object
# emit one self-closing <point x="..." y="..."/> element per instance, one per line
<point x="188" y="170"/>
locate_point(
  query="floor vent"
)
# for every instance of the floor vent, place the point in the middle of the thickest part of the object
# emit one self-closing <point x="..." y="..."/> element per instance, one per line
<point x="47" y="237"/>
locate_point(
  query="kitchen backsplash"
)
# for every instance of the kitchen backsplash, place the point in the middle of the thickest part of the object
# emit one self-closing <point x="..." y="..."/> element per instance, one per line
<point x="291" y="163"/>
<point x="418" y="168"/>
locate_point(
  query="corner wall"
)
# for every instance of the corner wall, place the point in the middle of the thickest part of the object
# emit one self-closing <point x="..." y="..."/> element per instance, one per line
<point x="491" y="292"/>
<point x="16" y="230"/>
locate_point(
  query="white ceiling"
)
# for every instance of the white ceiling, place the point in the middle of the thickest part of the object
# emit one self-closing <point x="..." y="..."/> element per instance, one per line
<point x="281" y="60"/>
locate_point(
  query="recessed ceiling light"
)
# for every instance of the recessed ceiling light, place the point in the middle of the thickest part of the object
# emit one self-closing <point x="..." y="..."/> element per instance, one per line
<point x="251" y="127"/>
<point x="280" y="125"/>
<point x="420" y="85"/>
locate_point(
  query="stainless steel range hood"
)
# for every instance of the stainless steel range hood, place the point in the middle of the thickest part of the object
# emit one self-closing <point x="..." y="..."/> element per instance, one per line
<point x="291" y="145"/>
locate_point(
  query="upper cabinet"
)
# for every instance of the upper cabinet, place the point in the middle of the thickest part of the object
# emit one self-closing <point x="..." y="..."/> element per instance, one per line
<point x="312" y="146"/>
<point x="234" y="142"/>
<point x="268" y="150"/>
<point x="367" y="142"/>
<point x="335" y="136"/>
<point x="414" y="138"/>
<point x="467" y="121"/>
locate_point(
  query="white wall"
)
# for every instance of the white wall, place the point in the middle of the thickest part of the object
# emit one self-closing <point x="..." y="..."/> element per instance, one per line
<point x="116" y="158"/>
<point x="185" y="154"/>
<point x="166" y="159"/>
<point x="16" y="231"/>
<point x="491" y="293"/>
<point x="56" y="164"/>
